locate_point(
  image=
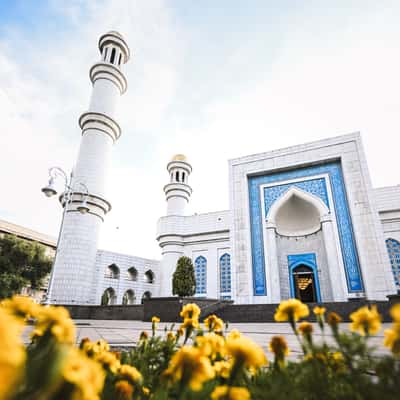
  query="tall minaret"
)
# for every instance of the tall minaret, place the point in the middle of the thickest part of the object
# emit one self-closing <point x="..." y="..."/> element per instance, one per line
<point x="74" y="279"/>
<point x="178" y="191"/>
<point x="170" y="230"/>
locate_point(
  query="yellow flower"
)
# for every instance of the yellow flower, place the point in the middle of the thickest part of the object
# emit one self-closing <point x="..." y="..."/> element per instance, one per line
<point x="223" y="368"/>
<point x="189" y="366"/>
<point x="190" y="310"/>
<point x="395" y="312"/>
<point x="86" y="375"/>
<point x="144" y="335"/>
<point x="337" y="356"/>
<point x="245" y="351"/>
<point x="21" y="307"/>
<point x="180" y="332"/>
<point x="146" y="391"/>
<point x="333" y="319"/>
<point x="278" y="345"/>
<point x="170" y="336"/>
<point x="124" y="390"/>
<point x="155" y="320"/>
<point x="190" y="323"/>
<point x="392" y="338"/>
<point x="213" y="323"/>
<point x="305" y="328"/>
<point x="12" y="353"/>
<point x="234" y="334"/>
<point x="319" y="311"/>
<point x="230" y="393"/>
<point x="211" y="345"/>
<point x="127" y="371"/>
<point x="55" y="320"/>
<point x="109" y="361"/>
<point x="366" y="320"/>
<point x="291" y="310"/>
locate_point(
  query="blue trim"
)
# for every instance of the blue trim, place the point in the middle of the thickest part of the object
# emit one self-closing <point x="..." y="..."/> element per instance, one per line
<point x="317" y="187"/>
<point x="225" y="273"/>
<point x="200" y="268"/>
<point x="393" y="248"/>
<point x="308" y="259"/>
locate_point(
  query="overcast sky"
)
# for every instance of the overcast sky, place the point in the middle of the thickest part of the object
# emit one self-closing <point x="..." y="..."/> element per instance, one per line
<point x="211" y="79"/>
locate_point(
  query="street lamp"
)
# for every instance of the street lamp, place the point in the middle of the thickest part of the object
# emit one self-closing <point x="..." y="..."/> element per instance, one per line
<point x="66" y="198"/>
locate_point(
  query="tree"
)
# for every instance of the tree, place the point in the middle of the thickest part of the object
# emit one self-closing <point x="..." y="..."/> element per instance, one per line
<point x="183" y="280"/>
<point x="22" y="263"/>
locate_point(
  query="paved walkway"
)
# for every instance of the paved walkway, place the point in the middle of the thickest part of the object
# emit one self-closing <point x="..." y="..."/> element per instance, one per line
<point x="123" y="334"/>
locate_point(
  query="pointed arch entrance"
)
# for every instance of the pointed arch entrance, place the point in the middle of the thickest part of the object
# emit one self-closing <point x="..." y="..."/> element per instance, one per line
<point x="303" y="277"/>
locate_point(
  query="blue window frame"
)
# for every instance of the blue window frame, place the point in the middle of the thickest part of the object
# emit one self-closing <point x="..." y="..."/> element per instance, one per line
<point x="393" y="247"/>
<point x="200" y="270"/>
<point x="225" y="273"/>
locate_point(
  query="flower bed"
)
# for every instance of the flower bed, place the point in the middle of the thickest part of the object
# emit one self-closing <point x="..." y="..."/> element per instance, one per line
<point x="195" y="361"/>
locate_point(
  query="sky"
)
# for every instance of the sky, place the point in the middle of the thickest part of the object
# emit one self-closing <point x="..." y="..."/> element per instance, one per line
<point x="212" y="79"/>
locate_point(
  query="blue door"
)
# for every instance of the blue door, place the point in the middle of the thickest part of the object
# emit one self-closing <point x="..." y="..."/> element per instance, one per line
<point x="303" y="277"/>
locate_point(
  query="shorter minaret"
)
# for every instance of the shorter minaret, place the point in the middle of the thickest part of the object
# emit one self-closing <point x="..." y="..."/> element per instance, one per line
<point x="170" y="229"/>
<point x="178" y="191"/>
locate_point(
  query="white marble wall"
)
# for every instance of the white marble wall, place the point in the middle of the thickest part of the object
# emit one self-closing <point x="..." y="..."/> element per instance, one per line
<point x="366" y="223"/>
<point x="124" y="283"/>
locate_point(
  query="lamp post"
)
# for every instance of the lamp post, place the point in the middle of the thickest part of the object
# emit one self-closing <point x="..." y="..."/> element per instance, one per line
<point x="66" y="198"/>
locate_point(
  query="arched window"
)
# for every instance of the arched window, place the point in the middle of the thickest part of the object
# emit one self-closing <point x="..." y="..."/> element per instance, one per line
<point x="183" y="177"/>
<point x="225" y="273"/>
<point x="177" y="176"/>
<point x="112" y="58"/>
<point x="109" y="297"/>
<point x="129" y="298"/>
<point x="119" y="59"/>
<point x="200" y="270"/>
<point x="105" y="54"/>
<point x="393" y="247"/>
<point x="146" y="295"/>
<point x="112" y="272"/>
<point x="149" y="276"/>
<point x="132" y="274"/>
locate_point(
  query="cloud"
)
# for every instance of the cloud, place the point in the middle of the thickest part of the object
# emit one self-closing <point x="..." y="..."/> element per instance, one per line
<point x="310" y="74"/>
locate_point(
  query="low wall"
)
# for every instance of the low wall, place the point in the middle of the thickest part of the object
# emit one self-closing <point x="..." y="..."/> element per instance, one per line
<point x="265" y="312"/>
<point x="134" y="312"/>
<point x="168" y="308"/>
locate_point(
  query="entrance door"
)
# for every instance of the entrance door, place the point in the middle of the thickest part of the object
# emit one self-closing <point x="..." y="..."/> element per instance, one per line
<point x="304" y="284"/>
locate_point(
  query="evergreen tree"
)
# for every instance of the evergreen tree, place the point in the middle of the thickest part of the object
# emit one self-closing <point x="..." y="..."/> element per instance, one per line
<point x="22" y="263"/>
<point x="183" y="280"/>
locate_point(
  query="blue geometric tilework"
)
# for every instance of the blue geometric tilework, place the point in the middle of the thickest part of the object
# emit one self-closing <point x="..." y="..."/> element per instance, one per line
<point x="313" y="186"/>
<point x="200" y="271"/>
<point x="225" y="273"/>
<point x="317" y="187"/>
<point x="393" y="247"/>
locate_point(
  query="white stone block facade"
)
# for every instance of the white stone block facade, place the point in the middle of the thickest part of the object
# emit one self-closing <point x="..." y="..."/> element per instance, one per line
<point x="303" y="221"/>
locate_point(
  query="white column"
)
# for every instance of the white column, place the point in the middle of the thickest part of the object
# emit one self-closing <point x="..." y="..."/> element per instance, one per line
<point x="170" y="255"/>
<point x="335" y="273"/>
<point x="272" y="274"/>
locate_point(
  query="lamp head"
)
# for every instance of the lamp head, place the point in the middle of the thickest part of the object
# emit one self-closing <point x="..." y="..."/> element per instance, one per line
<point x="49" y="190"/>
<point x="83" y="208"/>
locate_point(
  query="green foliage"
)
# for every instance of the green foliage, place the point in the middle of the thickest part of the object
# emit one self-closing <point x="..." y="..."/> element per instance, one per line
<point x="183" y="280"/>
<point x="21" y="263"/>
<point x="151" y="358"/>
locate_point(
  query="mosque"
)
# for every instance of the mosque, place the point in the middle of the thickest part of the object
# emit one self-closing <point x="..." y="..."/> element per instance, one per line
<point x="303" y="221"/>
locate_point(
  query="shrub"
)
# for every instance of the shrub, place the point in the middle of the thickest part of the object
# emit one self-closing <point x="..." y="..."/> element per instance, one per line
<point x="197" y="362"/>
<point x="183" y="280"/>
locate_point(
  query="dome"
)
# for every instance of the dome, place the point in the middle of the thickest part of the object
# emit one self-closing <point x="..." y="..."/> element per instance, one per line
<point x="179" y="157"/>
<point x="115" y="33"/>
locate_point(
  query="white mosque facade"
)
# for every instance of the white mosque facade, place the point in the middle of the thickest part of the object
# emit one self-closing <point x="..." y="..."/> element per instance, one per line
<point x="303" y="221"/>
